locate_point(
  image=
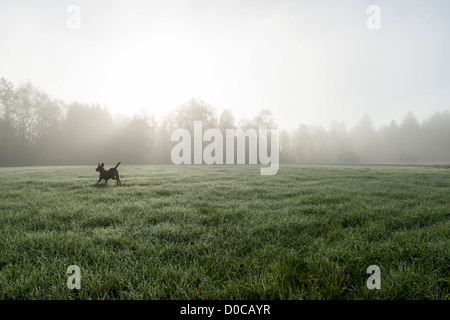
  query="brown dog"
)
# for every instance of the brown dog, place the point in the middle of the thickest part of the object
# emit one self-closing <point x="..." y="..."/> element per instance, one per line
<point x="108" y="174"/>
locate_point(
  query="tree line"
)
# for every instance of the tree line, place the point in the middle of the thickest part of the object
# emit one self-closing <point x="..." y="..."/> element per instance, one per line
<point x="36" y="129"/>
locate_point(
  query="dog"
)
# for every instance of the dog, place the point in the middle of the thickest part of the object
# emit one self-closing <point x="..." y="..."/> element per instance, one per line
<point x="108" y="174"/>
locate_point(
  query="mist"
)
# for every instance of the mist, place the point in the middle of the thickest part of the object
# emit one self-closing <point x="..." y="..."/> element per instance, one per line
<point x="308" y="62"/>
<point x="97" y="81"/>
<point x="36" y="129"/>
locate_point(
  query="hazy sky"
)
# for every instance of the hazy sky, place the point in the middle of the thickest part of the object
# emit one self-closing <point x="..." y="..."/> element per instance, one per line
<point x="307" y="61"/>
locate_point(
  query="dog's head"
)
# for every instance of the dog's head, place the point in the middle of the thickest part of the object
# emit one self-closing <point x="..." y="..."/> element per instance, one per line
<point x="100" y="167"/>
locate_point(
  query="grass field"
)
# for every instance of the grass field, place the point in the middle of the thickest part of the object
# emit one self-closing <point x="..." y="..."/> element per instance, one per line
<point x="225" y="232"/>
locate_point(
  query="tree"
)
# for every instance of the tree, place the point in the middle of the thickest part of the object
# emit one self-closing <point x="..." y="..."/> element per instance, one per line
<point x="388" y="136"/>
<point x="339" y="140"/>
<point x="302" y="144"/>
<point x="25" y="112"/>
<point x="264" y="120"/>
<point x="286" y="150"/>
<point x="135" y="142"/>
<point x="363" y="138"/>
<point x="86" y="130"/>
<point x="435" y="133"/>
<point x="409" y="139"/>
<point x="7" y="100"/>
<point x="7" y="125"/>
<point x="195" y="110"/>
<point x="226" y="120"/>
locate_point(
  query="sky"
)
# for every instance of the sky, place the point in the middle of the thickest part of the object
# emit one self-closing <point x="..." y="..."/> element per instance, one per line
<point x="310" y="62"/>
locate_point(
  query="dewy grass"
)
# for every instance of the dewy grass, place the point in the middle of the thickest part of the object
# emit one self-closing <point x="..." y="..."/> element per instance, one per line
<point x="225" y="232"/>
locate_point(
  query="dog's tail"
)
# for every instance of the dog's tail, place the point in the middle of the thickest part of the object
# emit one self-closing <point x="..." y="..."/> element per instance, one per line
<point x="117" y="165"/>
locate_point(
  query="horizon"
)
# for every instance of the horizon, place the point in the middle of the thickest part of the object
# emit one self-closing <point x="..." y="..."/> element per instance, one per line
<point x="159" y="117"/>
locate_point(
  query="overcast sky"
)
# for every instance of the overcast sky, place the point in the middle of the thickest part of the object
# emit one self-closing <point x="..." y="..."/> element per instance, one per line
<point x="307" y="61"/>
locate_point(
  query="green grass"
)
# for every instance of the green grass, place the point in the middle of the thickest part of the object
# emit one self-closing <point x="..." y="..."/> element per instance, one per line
<point x="225" y="232"/>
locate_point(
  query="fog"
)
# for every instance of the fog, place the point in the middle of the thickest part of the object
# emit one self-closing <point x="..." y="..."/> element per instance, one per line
<point x="86" y="81"/>
<point x="36" y="129"/>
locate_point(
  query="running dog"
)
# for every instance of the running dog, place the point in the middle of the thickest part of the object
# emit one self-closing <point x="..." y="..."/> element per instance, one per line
<point x="108" y="174"/>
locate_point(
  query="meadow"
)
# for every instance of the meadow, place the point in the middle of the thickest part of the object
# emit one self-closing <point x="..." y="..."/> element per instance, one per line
<point x="225" y="232"/>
